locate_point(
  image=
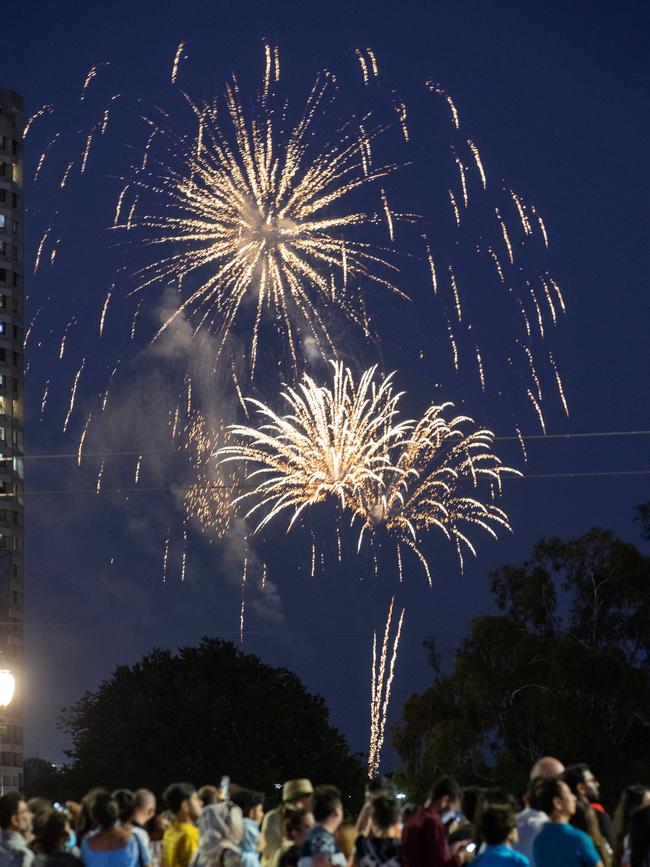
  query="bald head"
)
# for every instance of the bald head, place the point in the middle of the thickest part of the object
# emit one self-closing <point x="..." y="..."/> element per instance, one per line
<point x="145" y="806"/>
<point x="546" y="767"/>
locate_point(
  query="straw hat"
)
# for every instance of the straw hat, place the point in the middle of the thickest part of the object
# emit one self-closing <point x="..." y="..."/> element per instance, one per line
<point x="293" y="789"/>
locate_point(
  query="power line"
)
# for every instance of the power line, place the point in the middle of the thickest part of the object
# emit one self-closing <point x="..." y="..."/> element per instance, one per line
<point x="178" y="451"/>
<point x="241" y="486"/>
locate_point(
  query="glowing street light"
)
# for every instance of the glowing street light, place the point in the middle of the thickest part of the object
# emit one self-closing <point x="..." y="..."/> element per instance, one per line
<point x="7" y="687"/>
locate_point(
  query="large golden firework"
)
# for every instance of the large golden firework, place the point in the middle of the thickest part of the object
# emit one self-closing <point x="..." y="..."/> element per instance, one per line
<point x="257" y="217"/>
<point x="346" y="442"/>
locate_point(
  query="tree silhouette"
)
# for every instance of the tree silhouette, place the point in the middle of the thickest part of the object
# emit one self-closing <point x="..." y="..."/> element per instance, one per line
<point x="206" y="711"/>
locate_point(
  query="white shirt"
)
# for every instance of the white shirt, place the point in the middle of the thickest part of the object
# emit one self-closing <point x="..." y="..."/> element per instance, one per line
<point x="529" y="824"/>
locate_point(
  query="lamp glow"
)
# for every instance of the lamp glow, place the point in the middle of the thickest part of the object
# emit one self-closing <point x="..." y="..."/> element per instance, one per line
<point x="7" y="687"/>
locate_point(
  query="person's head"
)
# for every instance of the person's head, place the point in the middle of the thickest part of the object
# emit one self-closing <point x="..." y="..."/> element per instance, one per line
<point x="556" y="799"/>
<point x="156" y="826"/>
<point x="105" y="811"/>
<point x="582" y="783"/>
<point x="296" y="824"/>
<point x="84" y="821"/>
<point x="249" y="801"/>
<point x="380" y="786"/>
<point x="545" y="768"/>
<point x="498" y="824"/>
<point x="639" y="836"/>
<point x="469" y="801"/>
<point x="209" y="795"/>
<point x="297" y="793"/>
<point x="183" y="800"/>
<point x="445" y="796"/>
<point x="384" y="815"/>
<point x="15" y="815"/>
<point x="53" y="833"/>
<point x="125" y="802"/>
<point x="40" y="808"/>
<point x="327" y="806"/>
<point x="145" y="806"/>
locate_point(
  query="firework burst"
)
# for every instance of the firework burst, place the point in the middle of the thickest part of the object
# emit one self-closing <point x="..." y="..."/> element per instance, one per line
<point x="346" y="442"/>
<point x="331" y="442"/>
<point x="260" y="218"/>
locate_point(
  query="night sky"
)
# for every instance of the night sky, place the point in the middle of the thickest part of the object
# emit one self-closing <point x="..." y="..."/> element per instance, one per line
<point x="556" y="97"/>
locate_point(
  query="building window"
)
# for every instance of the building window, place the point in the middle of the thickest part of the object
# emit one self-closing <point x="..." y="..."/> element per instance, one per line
<point x="3" y="219"/>
<point x="14" y="200"/>
<point x="3" y="327"/>
<point x="3" y="169"/>
<point x="14" y="227"/>
<point x="14" y="148"/>
<point x="16" y="280"/>
<point x="3" y="142"/>
<point x="3" y="380"/>
<point x="3" y="275"/>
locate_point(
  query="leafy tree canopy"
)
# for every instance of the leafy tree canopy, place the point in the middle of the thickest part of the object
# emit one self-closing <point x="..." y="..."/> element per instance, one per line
<point x="564" y="669"/>
<point x="206" y="711"/>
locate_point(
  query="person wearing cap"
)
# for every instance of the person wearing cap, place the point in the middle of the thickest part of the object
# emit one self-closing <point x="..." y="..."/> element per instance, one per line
<point x="295" y="794"/>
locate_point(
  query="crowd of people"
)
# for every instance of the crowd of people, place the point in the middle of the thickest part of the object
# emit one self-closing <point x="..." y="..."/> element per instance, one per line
<point x="559" y="822"/>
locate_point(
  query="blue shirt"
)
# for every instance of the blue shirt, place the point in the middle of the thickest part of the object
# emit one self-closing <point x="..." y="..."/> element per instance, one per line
<point x="560" y="845"/>
<point x="501" y="855"/>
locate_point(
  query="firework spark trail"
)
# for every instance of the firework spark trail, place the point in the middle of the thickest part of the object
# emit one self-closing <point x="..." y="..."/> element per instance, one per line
<point x="453" y="344"/>
<point x="165" y="559"/>
<point x="249" y="213"/>
<point x="41" y="160"/>
<point x="560" y="387"/>
<point x="463" y="179"/>
<point x="477" y="160"/>
<point x="389" y="216"/>
<point x="177" y="60"/>
<point x="440" y="91"/>
<point x="522" y="444"/>
<point x="99" y="478"/>
<point x="400" y="108"/>
<point x="39" y="250"/>
<point x="381" y="683"/>
<point x="454" y="206"/>
<point x="521" y="209"/>
<point x="538" y="410"/>
<point x="102" y="318"/>
<point x="41" y="112"/>
<point x="118" y="206"/>
<point x="240" y="396"/>
<point x="86" y="153"/>
<point x="44" y="398"/>
<point x="108" y="387"/>
<point x="432" y="266"/>
<point x="66" y="175"/>
<point x="263" y="581"/>
<point x="138" y="464"/>
<point x="481" y="370"/>
<point x="135" y="316"/>
<point x="31" y="326"/>
<point x="82" y="439"/>
<point x="244" y="579"/>
<point x="456" y="294"/>
<point x="73" y="395"/>
<point x="541" y="225"/>
<point x="506" y="236"/>
<point x="70" y="322"/>
<point x="184" y="555"/>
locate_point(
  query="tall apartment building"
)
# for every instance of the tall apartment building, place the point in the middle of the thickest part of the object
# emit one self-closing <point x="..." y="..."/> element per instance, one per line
<point x="11" y="429"/>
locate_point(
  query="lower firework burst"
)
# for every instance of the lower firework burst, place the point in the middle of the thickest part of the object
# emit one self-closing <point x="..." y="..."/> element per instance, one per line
<point x="345" y="442"/>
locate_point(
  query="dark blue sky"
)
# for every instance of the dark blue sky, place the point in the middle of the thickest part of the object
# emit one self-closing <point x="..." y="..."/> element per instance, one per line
<point x="556" y="96"/>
